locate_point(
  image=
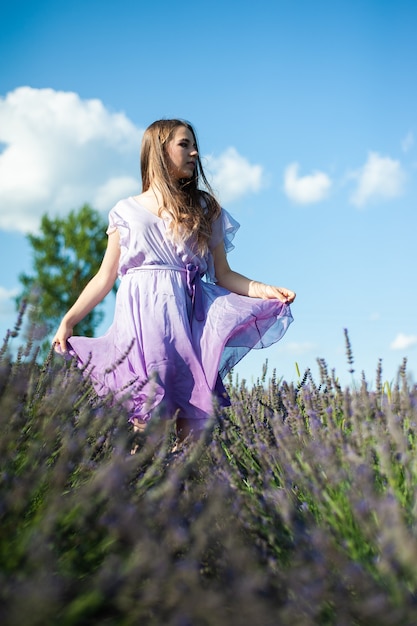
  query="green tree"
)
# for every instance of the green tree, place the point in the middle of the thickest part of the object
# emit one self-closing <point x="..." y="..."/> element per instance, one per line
<point x="66" y="254"/>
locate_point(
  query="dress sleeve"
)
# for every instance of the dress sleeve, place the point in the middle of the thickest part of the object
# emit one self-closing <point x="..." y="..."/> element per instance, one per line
<point x="224" y="228"/>
<point x="116" y="222"/>
<point x="112" y="227"/>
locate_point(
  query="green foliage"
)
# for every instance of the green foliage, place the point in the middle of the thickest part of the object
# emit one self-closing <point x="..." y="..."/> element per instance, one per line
<point x="297" y="508"/>
<point x="66" y="254"/>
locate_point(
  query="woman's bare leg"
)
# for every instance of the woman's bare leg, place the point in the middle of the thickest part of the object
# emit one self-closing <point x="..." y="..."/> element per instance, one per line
<point x="138" y="427"/>
<point x="189" y="428"/>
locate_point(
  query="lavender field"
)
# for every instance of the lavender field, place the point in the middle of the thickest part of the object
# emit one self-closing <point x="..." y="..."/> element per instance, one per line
<point x="298" y="508"/>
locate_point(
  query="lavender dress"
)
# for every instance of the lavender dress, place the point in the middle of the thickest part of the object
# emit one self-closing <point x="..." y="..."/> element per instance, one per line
<point x="174" y="336"/>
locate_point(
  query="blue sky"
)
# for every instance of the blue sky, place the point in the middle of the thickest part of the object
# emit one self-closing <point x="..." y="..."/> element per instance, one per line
<point x="306" y="114"/>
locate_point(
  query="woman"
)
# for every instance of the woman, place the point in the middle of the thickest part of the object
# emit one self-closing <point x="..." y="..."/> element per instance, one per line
<point x="174" y="336"/>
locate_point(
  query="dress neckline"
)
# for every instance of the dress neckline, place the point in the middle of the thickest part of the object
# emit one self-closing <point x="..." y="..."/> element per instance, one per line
<point x="142" y="206"/>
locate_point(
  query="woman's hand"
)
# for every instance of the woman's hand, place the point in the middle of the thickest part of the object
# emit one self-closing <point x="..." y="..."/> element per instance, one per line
<point x="59" y="342"/>
<point x="268" y="292"/>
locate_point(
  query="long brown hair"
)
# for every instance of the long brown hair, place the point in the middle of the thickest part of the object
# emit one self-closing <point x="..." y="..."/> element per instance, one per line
<point x="192" y="210"/>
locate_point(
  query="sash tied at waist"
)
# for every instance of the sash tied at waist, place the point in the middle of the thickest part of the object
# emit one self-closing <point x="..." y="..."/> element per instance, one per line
<point x="195" y="290"/>
<point x="193" y="280"/>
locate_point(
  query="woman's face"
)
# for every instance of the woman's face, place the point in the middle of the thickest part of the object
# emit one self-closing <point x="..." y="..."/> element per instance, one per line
<point x="182" y="153"/>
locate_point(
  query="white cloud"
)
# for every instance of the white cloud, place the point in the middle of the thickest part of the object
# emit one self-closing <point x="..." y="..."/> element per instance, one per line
<point x="114" y="189"/>
<point x="305" y="189"/>
<point x="408" y="142"/>
<point x="403" y="342"/>
<point x="232" y="176"/>
<point x="60" y="152"/>
<point x="297" y="348"/>
<point x="7" y="305"/>
<point x="380" y="177"/>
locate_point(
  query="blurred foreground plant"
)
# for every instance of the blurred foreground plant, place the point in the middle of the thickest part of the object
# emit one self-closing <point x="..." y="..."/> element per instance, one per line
<point x="298" y="508"/>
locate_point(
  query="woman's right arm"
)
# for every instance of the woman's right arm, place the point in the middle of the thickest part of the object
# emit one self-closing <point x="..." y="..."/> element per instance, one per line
<point x="93" y="293"/>
<point x="233" y="281"/>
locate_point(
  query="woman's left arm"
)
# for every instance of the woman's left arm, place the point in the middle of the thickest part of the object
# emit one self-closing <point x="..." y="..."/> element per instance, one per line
<point x="232" y="281"/>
